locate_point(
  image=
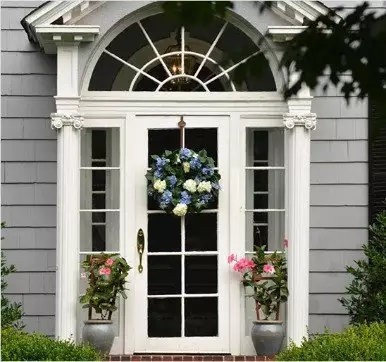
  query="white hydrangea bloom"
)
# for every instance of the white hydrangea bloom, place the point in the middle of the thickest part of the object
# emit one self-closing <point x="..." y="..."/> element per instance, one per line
<point x="190" y="185"/>
<point x="180" y="210"/>
<point x="186" y="166"/>
<point x="159" y="185"/>
<point x="204" y="186"/>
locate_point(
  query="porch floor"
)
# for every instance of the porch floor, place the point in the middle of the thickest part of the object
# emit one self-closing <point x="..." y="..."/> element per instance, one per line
<point x="187" y="357"/>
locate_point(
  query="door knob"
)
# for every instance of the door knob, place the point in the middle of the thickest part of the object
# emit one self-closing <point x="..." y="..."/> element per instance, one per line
<point x="140" y="248"/>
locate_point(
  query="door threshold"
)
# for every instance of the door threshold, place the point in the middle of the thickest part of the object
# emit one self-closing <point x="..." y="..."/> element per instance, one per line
<point x="187" y="357"/>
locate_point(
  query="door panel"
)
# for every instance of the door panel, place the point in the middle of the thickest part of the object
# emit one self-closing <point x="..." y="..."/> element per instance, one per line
<point x="182" y="295"/>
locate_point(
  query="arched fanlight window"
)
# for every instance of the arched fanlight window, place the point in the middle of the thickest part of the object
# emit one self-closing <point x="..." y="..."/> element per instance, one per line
<point x="153" y="54"/>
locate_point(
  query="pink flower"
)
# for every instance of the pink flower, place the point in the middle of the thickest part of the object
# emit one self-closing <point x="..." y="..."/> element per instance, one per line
<point x="268" y="268"/>
<point x="104" y="271"/>
<point x="109" y="261"/>
<point x="232" y="258"/>
<point x="285" y="243"/>
<point x="83" y="276"/>
<point x="243" y="265"/>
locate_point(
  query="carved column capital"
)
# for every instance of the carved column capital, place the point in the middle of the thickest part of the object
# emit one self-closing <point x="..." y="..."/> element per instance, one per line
<point x="58" y="120"/>
<point x="307" y="120"/>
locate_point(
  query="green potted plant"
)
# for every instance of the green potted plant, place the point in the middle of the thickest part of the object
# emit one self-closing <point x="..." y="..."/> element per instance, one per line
<point x="106" y="276"/>
<point x="265" y="274"/>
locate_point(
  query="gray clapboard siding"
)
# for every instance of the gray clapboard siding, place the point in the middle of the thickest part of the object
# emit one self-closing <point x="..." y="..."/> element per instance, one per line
<point x="341" y="129"/>
<point x="331" y="322"/>
<point x="29" y="216"/>
<point x="29" y="172"/>
<point x="337" y="238"/>
<point x="339" y="173"/>
<point x="333" y="260"/>
<point x="15" y="41"/>
<point x="329" y="304"/>
<point x="28" y="168"/>
<point x="27" y="128"/>
<point x="29" y="150"/>
<point x="28" y="194"/>
<point x="28" y="85"/>
<point x="29" y="238"/>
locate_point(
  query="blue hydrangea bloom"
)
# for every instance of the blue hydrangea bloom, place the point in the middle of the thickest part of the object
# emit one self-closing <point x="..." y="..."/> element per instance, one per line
<point x="172" y="180"/>
<point x="195" y="163"/>
<point x="197" y="179"/>
<point x="205" y="198"/>
<point x="166" y="197"/>
<point x="216" y="186"/>
<point x="158" y="174"/>
<point x="185" y="198"/>
<point x="185" y="153"/>
<point x="161" y="162"/>
<point x="207" y="171"/>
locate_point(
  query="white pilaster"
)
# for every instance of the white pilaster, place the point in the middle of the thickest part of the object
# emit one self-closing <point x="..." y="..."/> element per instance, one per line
<point x="298" y="124"/>
<point x="68" y="124"/>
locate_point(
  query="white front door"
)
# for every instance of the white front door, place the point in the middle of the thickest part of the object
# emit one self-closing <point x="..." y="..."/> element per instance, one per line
<point x="182" y="294"/>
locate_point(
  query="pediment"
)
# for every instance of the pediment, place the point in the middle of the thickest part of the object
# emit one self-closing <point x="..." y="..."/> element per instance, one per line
<point x="57" y="20"/>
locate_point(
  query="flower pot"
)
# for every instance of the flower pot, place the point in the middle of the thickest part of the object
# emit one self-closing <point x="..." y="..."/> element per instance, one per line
<point x="99" y="333"/>
<point x="267" y="336"/>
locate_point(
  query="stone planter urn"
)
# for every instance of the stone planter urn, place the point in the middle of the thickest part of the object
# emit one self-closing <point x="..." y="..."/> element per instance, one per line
<point x="99" y="333"/>
<point x="267" y="336"/>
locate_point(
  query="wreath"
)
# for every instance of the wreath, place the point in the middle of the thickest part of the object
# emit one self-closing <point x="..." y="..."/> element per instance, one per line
<point x="183" y="181"/>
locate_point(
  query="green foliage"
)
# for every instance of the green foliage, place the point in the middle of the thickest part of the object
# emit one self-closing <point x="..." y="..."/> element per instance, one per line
<point x="11" y="313"/>
<point x="268" y="294"/>
<point x="177" y="168"/>
<point x="19" y="346"/>
<point x="269" y="289"/>
<point x="106" y="275"/>
<point x="367" y="300"/>
<point x="357" y="343"/>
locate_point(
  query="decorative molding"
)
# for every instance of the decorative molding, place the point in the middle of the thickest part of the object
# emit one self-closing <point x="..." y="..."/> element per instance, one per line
<point x="307" y="120"/>
<point x="58" y="120"/>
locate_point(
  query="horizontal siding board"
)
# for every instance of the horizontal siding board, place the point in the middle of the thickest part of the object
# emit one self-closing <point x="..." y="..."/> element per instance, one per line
<point x="29" y="216"/>
<point x="17" y="41"/>
<point x="27" y="63"/>
<point x="333" y="260"/>
<point x="337" y="107"/>
<point x="29" y="150"/>
<point x="28" y="85"/>
<point x="329" y="239"/>
<point x="11" y="16"/>
<point x="333" y="323"/>
<point x="23" y="107"/>
<point x="43" y="324"/>
<point x="27" y="128"/>
<point x="39" y="304"/>
<point x="342" y="217"/>
<point x="339" y="173"/>
<point x="28" y="172"/>
<point x="326" y="303"/>
<point x="341" y="129"/>
<point x="31" y="260"/>
<point x="28" y="238"/>
<point x="342" y="195"/>
<point x="28" y="194"/>
<point x="329" y="283"/>
<point x="339" y="151"/>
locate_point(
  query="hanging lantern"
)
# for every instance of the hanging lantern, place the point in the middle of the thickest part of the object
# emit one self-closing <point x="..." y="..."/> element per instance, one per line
<point x="174" y="62"/>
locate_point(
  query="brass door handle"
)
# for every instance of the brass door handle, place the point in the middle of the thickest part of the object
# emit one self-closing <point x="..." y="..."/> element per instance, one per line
<point x="140" y="248"/>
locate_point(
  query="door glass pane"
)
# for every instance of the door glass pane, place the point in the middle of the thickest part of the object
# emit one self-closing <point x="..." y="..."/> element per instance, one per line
<point x="201" y="317"/>
<point x="200" y="274"/>
<point x="164" y="274"/>
<point x="164" y="317"/>
<point x="164" y="233"/>
<point x="202" y="138"/>
<point x="201" y="232"/>
<point x="160" y="140"/>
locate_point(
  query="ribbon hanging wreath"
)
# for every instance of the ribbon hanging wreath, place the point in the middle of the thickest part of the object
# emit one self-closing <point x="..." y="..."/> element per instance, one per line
<point x="183" y="181"/>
